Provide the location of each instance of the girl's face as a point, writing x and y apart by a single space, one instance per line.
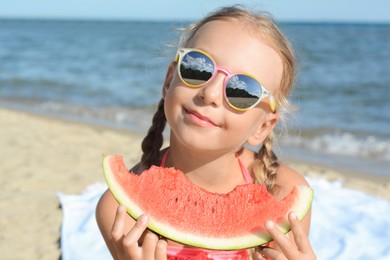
200 118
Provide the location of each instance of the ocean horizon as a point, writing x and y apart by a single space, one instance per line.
111 72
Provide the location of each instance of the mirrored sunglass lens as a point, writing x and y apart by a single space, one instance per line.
196 68
243 91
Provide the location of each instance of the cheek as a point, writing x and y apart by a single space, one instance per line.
247 122
169 101
170 91
179 93
174 95
176 98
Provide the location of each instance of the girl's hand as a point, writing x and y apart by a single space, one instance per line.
297 248
131 246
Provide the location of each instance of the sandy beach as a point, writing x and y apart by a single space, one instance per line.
41 156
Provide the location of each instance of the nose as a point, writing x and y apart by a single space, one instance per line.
212 92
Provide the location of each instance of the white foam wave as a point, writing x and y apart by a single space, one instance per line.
370 147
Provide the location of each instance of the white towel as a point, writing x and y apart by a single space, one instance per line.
346 224
80 236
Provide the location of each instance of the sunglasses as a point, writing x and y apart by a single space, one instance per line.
242 91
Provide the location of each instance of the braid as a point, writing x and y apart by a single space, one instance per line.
266 164
153 141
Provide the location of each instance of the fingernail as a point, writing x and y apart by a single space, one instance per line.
144 219
293 216
269 224
121 208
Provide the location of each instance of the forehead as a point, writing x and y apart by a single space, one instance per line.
240 48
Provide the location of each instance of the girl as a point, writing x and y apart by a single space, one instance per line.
226 88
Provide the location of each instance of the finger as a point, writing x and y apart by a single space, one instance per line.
297 231
288 248
117 231
119 224
300 237
130 241
149 245
269 253
161 249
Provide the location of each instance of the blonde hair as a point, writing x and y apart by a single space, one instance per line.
266 164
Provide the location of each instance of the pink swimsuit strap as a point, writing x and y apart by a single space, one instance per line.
245 173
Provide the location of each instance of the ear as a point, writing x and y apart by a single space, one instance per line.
168 78
263 129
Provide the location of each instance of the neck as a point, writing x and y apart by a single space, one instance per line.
214 171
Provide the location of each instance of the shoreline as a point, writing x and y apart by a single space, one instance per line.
378 186
355 152
42 155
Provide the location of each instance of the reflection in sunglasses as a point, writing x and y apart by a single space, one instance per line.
242 91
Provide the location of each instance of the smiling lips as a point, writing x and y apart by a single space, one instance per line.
199 119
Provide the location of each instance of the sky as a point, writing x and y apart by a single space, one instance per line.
282 10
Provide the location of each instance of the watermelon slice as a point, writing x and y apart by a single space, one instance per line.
186 213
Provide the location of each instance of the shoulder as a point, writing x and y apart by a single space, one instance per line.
105 211
286 179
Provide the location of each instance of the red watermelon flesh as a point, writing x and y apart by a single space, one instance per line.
189 214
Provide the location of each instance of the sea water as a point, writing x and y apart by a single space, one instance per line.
111 73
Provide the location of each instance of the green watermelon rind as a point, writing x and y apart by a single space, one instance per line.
216 243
